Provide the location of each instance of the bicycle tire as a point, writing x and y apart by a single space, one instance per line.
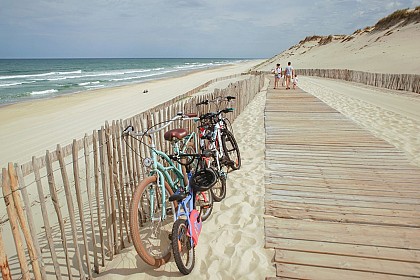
143 229
218 191
231 150
204 204
184 253
227 124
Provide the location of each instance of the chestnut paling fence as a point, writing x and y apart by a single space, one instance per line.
406 82
67 211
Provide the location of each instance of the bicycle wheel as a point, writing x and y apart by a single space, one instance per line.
204 204
218 191
184 253
231 150
149 232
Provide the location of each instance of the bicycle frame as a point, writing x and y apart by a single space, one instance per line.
163 172
215 145
186 208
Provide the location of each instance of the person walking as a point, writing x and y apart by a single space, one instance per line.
288 73
277 75
295 81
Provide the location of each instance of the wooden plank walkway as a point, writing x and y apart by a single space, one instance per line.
340 203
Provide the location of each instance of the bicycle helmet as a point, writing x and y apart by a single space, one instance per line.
203 179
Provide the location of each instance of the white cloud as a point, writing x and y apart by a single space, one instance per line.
147 28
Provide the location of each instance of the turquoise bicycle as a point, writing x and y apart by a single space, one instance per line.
151 214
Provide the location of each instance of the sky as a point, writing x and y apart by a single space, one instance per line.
177 28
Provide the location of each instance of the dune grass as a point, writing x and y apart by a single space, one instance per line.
399 17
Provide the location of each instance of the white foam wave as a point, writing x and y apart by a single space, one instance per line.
48 91
16 84
89 83
193 65
39 75
140 77
10 85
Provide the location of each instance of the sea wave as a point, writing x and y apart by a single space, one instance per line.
39 75
141 77
193 65
98 74
48 91
89 83
15 84
10 85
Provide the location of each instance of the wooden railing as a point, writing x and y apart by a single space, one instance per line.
74 212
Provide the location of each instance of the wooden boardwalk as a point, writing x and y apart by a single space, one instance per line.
340 203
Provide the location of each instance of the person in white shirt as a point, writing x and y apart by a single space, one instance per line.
288 73
277 75
295 81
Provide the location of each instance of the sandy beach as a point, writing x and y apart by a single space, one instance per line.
231 245
28 129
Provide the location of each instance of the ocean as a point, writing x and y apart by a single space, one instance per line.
29 79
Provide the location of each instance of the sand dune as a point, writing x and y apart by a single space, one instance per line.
379 49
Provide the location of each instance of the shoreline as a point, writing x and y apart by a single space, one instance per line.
30 128
86 91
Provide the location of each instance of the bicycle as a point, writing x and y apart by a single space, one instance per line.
230 146
220 141
151 214
188 225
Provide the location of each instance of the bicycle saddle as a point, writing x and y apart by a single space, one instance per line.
178 133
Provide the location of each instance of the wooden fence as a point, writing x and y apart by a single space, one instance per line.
406 82
76 219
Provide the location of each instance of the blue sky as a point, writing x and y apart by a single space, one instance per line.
177 28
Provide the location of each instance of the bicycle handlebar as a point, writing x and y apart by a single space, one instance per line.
129 130
212 115
205 102
178 157
215 100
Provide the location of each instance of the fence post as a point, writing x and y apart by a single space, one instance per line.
97 196
4 264
19 210
80 203
55 201
121 174
111 189
11 212
89 193
70 206
117 179
102 153
30 218
44 211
